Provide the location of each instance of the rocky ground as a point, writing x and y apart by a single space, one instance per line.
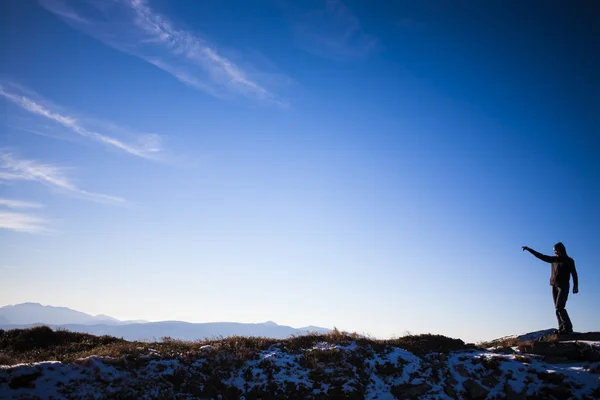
309 367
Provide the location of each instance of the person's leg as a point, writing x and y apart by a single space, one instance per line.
558 316
561 302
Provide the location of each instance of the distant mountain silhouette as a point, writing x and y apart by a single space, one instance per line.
35 313
183 330
32 314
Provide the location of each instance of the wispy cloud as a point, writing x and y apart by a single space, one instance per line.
9 176
334 32
149 143
10 203
21 222
61 8
132 26
14 168
40 132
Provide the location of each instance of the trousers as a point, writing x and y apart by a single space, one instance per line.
560 295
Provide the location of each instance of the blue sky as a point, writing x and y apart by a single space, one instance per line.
374 166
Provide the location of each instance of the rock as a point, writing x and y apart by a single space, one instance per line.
462 371
490 381
176 379
512 394
561 392
571 351
504 350
414 375
475 390
450 392
592 336
556 392
551 377
556 360
407 390
590 354
24 381
523 359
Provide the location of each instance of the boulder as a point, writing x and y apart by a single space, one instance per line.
407 390
490 381
475 390
504 350
512 394
24 381
462 371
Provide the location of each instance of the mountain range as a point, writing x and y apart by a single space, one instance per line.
32 314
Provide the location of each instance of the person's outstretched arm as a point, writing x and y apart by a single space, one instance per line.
541 256
575 278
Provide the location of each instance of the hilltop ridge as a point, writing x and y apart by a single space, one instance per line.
335 365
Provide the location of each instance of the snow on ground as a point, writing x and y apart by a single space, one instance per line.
535 335
325 369
524 373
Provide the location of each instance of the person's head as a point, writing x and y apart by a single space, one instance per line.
559 249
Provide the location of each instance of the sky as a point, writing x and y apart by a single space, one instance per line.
373 166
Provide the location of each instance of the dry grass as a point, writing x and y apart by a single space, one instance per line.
6 360
510 342
43 344
427 343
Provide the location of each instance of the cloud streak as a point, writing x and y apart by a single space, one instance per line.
335 33
133 27
150 143
20 222
18 204
14 168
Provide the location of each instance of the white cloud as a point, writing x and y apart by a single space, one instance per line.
133 27
9 176
21 222
18 204
149 143
54 176
46 133
334 32
60 7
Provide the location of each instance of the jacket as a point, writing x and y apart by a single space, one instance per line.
562 269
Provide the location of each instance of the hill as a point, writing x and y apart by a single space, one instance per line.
181 330
35 313
28 315
336 365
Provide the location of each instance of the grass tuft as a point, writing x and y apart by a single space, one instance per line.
44 344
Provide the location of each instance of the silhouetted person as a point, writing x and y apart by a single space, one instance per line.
563 267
